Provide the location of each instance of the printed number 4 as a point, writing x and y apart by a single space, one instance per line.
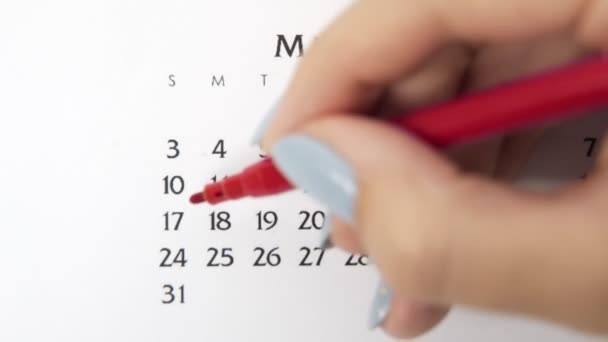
219 149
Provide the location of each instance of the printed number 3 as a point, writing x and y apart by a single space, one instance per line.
173 147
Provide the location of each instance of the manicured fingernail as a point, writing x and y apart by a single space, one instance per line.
262 127
312 165
380 306
324 239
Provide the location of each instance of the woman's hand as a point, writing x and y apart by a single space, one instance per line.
446 228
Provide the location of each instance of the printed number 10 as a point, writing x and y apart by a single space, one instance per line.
173 185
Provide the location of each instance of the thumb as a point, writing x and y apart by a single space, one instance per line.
447 237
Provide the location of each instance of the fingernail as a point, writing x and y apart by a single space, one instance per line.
380 306
324 239
312 165
262 127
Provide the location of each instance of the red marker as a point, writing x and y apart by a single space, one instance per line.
546 97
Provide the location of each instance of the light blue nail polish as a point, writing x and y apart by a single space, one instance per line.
324 239
380 306
262 127
312 165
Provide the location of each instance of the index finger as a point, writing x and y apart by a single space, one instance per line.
376 42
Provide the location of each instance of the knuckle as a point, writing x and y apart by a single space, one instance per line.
584 303
425 256
415 253
591 23
598 303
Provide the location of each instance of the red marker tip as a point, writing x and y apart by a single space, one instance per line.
199 197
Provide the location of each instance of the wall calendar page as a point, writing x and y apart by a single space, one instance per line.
114 112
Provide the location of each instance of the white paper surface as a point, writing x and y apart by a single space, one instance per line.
86 113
